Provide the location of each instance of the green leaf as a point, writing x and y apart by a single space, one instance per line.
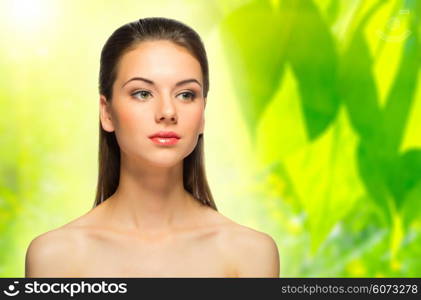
401 96
358 90
411 207
281 130
255 38
412 135
325 177
313 58
405 175
374 166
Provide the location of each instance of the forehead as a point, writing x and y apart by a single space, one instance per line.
160 61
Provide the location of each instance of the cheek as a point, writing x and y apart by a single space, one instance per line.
131 129
132 125
193 118
129 118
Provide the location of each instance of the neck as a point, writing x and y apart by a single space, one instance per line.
150 198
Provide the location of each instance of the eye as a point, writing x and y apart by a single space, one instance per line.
142 94
188 95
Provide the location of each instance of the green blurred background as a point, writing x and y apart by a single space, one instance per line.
317 106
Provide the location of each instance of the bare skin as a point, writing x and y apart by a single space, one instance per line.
218 247
151 226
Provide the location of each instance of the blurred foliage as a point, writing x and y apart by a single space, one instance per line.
324 151
350 157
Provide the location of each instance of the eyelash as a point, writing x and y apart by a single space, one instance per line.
192 94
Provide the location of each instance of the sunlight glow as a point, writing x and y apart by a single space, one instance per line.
27 15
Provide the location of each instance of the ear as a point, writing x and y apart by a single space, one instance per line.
202 125
105 114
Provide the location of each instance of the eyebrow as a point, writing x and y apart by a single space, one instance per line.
151 82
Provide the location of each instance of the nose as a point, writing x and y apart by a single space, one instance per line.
166 111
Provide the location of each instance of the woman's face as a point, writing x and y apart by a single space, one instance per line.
149 96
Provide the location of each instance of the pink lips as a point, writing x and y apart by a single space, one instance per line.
165 138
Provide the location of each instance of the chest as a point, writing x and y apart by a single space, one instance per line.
196 258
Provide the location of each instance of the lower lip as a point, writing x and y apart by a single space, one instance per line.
164 141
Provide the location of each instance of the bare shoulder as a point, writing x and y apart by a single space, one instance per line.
54 253
254 253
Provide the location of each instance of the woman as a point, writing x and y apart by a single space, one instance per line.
154 215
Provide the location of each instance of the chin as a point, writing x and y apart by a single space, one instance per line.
162 164
165 161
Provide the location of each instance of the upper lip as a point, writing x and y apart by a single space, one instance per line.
165 134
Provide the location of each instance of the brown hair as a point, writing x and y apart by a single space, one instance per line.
121 41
